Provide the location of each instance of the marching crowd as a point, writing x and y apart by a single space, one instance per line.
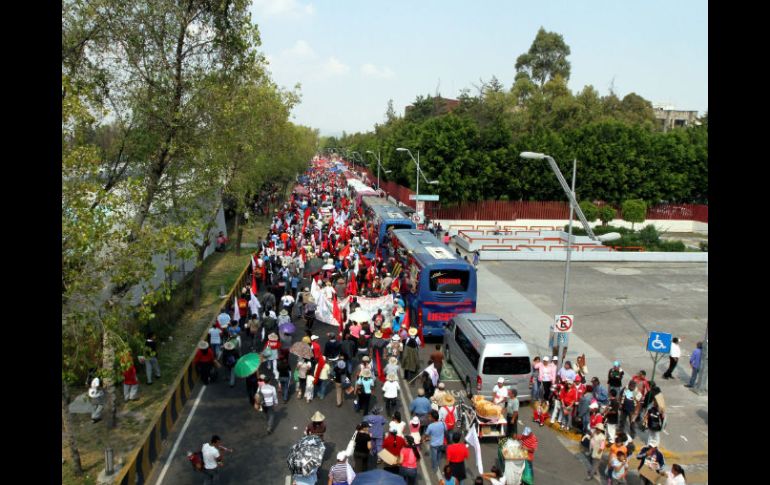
321 235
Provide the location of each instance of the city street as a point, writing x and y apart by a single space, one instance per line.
614 306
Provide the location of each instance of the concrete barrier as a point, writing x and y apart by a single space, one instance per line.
594 255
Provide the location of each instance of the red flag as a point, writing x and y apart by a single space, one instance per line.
254 284
344 252
353 287
405 322
337 314
380 374
318 368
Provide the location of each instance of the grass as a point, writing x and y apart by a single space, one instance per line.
219 270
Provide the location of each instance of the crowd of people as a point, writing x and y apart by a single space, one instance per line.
311 252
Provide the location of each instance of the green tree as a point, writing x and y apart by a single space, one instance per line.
589 210
546 58
606 214
634 211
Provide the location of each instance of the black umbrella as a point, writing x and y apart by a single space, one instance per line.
306 455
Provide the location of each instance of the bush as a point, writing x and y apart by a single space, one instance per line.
670 246
634 210
649 235
577 230
606 214
704 246
589 210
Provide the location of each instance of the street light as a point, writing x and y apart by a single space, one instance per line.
573 206
379 164
419 172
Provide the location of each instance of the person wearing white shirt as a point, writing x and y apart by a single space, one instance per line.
673 358
390 393
212 460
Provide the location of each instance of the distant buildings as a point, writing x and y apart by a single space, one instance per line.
670 118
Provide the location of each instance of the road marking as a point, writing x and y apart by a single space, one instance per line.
683 437
288 480
666 432
408 392
179 438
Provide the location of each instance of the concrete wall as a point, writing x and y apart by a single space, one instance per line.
663 225
609 256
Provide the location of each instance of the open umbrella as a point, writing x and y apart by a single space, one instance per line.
327 267
306 455
287 328
378 477
247 365
301 349
360 316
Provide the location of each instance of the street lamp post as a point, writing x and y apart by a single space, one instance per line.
560 349
379 164
419 172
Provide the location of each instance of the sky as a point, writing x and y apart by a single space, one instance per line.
351 56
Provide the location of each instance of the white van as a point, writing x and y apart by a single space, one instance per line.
482 348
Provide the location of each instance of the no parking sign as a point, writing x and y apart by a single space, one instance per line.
563 323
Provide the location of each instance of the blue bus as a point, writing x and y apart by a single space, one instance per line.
439 284
385 216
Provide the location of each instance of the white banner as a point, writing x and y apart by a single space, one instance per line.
325 308
473 439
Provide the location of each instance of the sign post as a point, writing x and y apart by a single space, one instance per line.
658 344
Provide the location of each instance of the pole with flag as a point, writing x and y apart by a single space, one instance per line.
337 313
236 312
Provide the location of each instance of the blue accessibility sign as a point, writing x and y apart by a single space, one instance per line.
659 342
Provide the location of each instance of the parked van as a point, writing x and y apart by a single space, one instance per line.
482 348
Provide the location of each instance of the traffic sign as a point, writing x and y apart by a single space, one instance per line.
416 218
424 197
659 342
563 323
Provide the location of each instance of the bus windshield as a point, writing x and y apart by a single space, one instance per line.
449 281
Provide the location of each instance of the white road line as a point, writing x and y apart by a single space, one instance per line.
288 480
665 432
423 468
179 438
683 437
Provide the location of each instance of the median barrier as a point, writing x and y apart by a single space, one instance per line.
530 247
497 247
141 459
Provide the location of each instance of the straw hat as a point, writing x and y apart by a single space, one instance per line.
378 334
599 426
273 337
447 400
366 373
392 377
393 360
284 312
395 338
203 345
306 339
412 331
385 325
366 358
317 417
229 345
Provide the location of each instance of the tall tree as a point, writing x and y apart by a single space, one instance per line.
546 58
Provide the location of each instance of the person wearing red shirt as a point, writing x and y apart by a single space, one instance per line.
130 382
393 443
316 347
456 454
204 361
567 397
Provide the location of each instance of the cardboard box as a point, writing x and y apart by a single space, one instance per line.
652 475
388 457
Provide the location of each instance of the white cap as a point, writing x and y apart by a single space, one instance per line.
341 456
546 358
314 337
500 380
415 420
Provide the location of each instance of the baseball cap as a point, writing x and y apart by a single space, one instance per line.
341 456
314 337
415 420
546 358
500 380
616 363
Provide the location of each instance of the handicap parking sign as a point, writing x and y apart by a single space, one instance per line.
659 342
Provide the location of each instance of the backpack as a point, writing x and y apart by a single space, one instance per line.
655 423
449 420
196 460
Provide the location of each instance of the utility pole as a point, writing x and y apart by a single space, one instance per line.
702 381
563 337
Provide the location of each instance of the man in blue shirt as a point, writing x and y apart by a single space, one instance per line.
420 405
600 392
435 431
695 364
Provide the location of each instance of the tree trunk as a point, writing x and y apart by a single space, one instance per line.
108 364
237 230
67 429
198 275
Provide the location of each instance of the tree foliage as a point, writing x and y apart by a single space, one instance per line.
634 211
546 58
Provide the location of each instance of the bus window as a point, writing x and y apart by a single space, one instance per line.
467 348
506 366
449 281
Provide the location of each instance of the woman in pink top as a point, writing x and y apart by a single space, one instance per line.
355 330
408 459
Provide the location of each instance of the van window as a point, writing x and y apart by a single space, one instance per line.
467 348
506 365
